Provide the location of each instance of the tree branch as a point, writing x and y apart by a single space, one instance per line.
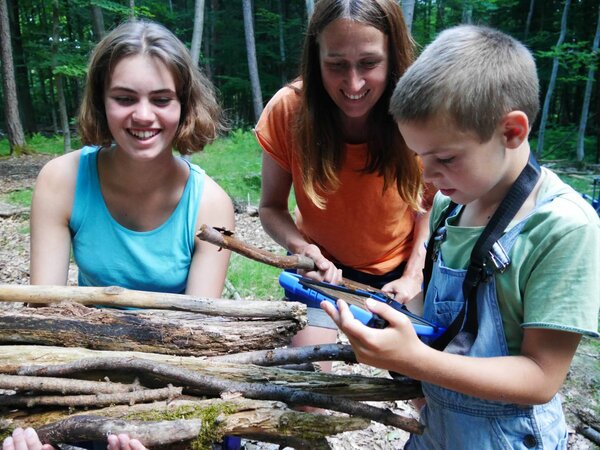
65 386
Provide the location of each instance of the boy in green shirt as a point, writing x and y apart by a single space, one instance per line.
465 108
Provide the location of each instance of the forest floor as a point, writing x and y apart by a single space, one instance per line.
580 391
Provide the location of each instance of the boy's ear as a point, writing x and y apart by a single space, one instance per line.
515 128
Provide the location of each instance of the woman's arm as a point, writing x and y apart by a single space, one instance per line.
410 284
49 223
533 377
278 223
208 270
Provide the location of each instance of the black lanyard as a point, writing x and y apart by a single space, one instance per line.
480 267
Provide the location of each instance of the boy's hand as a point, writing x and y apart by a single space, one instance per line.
395 347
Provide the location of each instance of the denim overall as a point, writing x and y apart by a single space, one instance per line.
455 421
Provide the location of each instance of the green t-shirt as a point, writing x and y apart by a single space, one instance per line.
554 277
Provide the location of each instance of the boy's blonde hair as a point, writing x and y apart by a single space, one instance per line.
472 75
200 121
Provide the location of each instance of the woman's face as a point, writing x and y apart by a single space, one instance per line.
354 67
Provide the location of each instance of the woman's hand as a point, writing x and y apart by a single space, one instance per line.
404 289
326 270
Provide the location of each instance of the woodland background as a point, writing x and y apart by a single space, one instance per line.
249 48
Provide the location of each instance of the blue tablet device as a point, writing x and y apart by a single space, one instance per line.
312 293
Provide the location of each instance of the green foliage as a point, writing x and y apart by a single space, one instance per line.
235 163
560 142
576 57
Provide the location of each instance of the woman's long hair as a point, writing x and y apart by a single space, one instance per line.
320 143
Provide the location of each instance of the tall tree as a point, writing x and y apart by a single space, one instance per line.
310 7
257 101
528 21
16 137
408 9
552 82
197 34
131 9
21 71
97 22
281 7
587 96
60 91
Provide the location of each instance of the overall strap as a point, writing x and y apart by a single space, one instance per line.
481 266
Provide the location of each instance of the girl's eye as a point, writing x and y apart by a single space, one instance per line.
336 65
123 100
162 101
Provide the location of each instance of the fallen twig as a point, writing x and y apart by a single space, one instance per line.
65 386
140 396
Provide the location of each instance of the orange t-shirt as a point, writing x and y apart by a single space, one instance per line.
361 226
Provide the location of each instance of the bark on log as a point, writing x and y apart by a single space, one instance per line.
16 358
215 387
156 331
263 420
117 296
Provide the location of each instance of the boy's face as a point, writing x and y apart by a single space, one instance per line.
457 163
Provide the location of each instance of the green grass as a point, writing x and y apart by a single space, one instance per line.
254 279
22 197
235 163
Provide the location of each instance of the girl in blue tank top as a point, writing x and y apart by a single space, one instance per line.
125 203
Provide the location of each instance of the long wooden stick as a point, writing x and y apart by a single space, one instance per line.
117 296
222 238
64 385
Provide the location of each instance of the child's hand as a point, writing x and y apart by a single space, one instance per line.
395 347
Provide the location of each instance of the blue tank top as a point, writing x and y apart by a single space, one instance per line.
108 254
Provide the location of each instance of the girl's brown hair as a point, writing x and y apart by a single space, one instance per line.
320 144
201 120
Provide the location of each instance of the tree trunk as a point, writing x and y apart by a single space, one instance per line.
16 137
408 10
97 22
467 12
197 34
131 9
60 94
310 7
282 59
257 101
587 96
528 21
552 82
22 73
15 358
73 325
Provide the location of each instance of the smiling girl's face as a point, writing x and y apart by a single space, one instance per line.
142 107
